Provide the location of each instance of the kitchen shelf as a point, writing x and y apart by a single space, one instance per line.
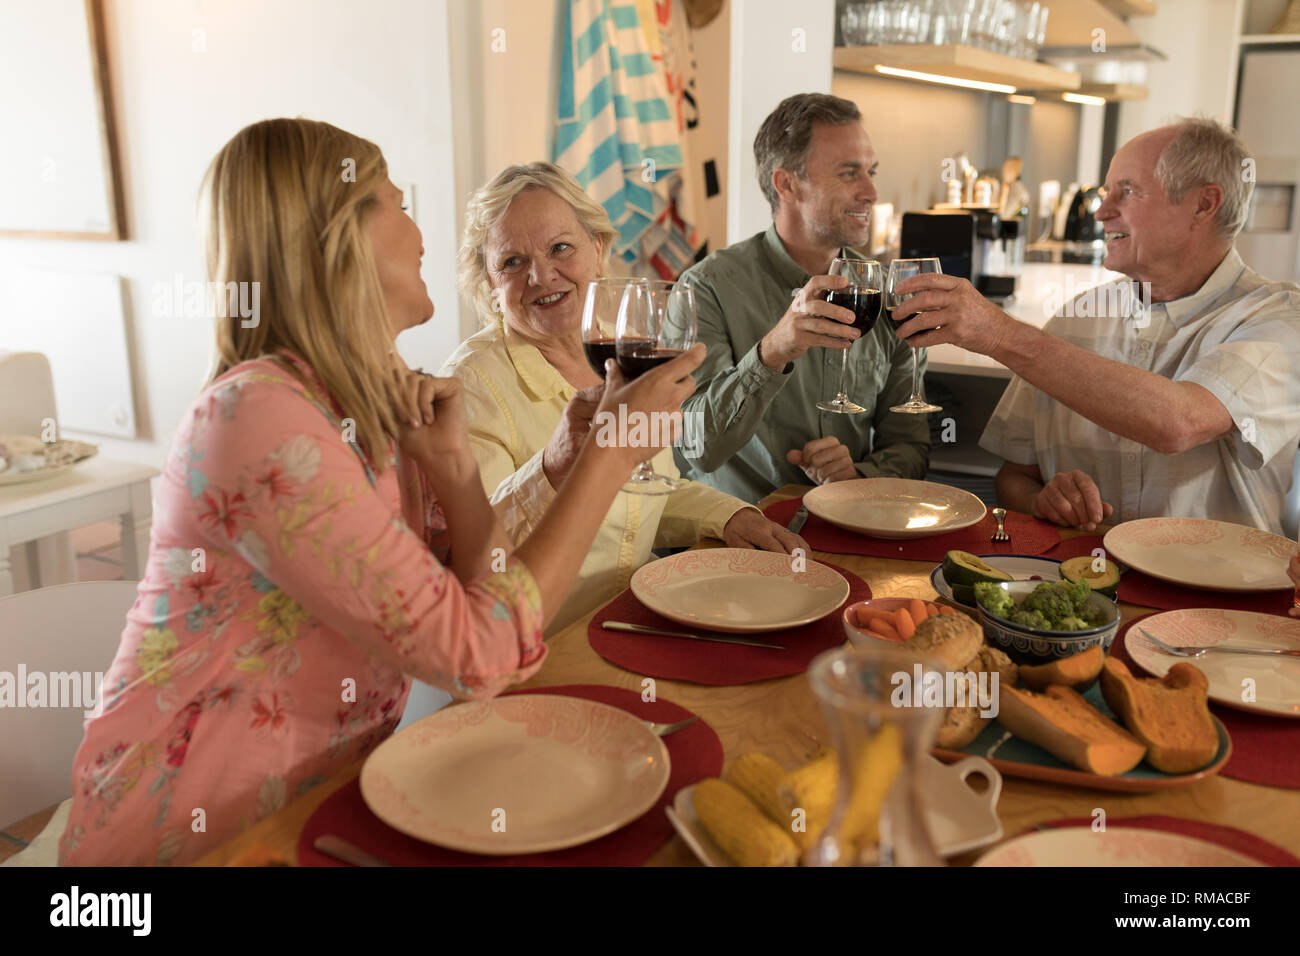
957 61
1072 22
1131 8
1114 92
1269 39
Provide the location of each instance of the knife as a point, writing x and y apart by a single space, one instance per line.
341 849
796 523
719 638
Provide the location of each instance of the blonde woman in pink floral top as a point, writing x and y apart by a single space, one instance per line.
320 531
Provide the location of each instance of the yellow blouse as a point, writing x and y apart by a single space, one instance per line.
514 399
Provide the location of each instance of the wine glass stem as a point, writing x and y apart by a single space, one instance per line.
916 374
841 396
644 472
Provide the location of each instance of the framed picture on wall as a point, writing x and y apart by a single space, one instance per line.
59 162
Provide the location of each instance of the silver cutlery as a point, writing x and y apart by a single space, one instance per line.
1001 533
718 638
1191 651
663 730
796 523
341 849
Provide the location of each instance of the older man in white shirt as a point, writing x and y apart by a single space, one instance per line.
1177 393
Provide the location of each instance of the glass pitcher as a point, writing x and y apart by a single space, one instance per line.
872 701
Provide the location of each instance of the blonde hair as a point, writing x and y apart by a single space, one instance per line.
489 205
283 205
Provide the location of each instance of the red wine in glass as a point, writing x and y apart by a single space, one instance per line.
597 352
639 357
864 303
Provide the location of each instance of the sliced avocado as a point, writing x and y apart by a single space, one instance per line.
963 568
1081 569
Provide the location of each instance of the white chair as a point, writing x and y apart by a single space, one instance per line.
26 401
70 628
423 700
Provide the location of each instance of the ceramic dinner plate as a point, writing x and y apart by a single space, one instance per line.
738 590
1274 682
1200 553
1114 846
1022 567
519 774
959 819
895 508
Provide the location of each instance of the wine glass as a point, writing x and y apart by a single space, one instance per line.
899 270
600 320
656 323
862 297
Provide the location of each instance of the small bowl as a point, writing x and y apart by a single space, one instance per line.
1032 645
863 638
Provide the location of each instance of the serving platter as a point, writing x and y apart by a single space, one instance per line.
1202 553
895 508
1273 681
1019 758
525 773
959 819
739 590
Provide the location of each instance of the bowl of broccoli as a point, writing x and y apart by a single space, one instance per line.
1037 622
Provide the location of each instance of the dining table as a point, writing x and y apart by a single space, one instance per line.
782 718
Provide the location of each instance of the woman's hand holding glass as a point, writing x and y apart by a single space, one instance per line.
655 394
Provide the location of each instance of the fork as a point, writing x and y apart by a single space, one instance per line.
663 730
1191 651
1001 533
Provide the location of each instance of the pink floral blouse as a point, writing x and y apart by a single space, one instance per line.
288 591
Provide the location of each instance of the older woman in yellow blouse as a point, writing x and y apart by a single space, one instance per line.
532 242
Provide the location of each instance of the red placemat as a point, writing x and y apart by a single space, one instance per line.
1138 588
1029 535
695 753
704 662
1265 750
1229 837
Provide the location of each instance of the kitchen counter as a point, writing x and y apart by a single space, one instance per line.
1044 287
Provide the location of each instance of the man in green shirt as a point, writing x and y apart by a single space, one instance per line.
775 344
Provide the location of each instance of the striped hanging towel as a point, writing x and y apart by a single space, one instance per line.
615 130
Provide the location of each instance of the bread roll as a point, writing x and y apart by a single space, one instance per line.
951 639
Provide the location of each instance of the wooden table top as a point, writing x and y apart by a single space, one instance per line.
779 717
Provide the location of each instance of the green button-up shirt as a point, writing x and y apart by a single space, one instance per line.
744 417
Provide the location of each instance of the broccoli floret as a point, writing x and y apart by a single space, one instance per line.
1071 624
994 599
1079 591
1028 618
1050 601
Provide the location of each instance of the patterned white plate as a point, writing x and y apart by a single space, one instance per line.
1114 846
1273 681
1200 553
895 508
738 590
520 774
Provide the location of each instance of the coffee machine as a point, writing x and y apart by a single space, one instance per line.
976 244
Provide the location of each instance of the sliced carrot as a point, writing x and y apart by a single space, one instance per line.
945 609
919 610
906 626
882 628
875 614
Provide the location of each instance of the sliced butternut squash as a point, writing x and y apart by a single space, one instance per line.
1077 671
1171 715
1070 729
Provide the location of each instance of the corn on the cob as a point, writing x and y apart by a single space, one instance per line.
879 762
812 788
739 828
759 777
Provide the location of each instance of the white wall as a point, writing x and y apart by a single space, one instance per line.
778 48
1200 73
378 69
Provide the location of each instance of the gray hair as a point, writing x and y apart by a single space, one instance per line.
1206 151
783 139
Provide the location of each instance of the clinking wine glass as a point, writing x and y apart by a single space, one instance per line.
656 323
899 270
862 296
600 320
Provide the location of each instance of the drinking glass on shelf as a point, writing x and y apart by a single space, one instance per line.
656 323
862 296
899 270
600 320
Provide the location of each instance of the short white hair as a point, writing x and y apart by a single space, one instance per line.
1206 151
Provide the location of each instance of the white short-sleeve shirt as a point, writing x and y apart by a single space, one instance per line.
1237 336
